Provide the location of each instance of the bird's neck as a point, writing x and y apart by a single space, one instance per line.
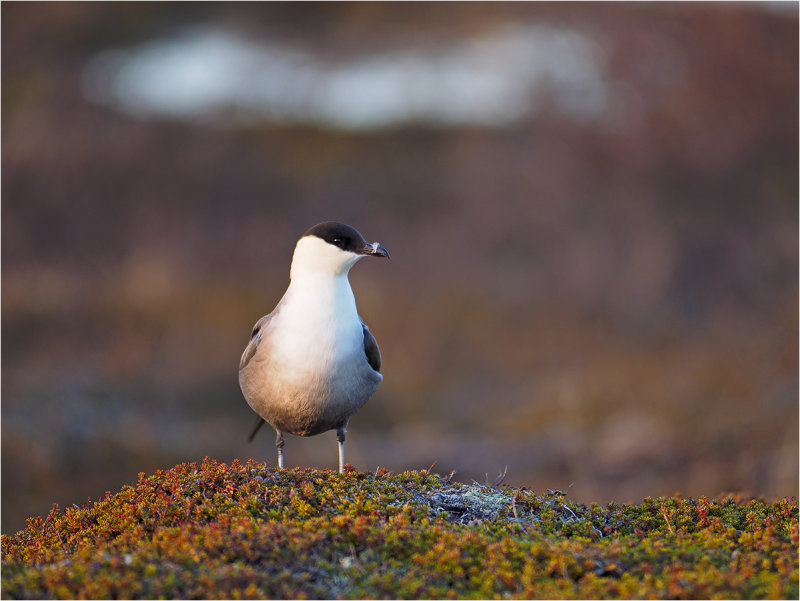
322 295
317 283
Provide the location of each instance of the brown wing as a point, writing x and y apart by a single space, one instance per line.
255 338
371 349
249 353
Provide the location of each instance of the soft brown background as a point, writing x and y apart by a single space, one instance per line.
605 305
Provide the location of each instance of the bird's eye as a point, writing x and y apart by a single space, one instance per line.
339 242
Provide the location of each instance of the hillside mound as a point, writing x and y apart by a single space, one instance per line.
213 530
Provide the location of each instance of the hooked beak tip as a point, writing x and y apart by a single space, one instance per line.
376 250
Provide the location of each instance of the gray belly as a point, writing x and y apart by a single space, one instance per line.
308 404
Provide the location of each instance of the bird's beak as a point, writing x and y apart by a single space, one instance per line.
374 250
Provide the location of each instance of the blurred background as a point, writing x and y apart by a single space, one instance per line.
592 212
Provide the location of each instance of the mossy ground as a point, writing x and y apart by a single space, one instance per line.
213 530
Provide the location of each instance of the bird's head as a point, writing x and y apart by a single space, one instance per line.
332 247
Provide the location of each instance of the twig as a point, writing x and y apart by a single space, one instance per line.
666 519
570 510
497 481
514 511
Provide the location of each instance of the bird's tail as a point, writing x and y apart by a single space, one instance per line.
260 423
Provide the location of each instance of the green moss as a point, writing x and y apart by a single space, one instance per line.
213 530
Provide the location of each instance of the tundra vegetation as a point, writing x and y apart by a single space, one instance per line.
244 530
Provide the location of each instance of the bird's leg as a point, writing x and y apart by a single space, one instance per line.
340 437
279 444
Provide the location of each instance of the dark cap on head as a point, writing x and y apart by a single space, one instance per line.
345 237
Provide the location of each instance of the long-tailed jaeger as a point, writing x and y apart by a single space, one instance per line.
312 362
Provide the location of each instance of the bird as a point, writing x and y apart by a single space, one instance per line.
312 362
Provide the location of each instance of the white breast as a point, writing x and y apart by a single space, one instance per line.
317 329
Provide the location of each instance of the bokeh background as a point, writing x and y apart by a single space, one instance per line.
592 211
